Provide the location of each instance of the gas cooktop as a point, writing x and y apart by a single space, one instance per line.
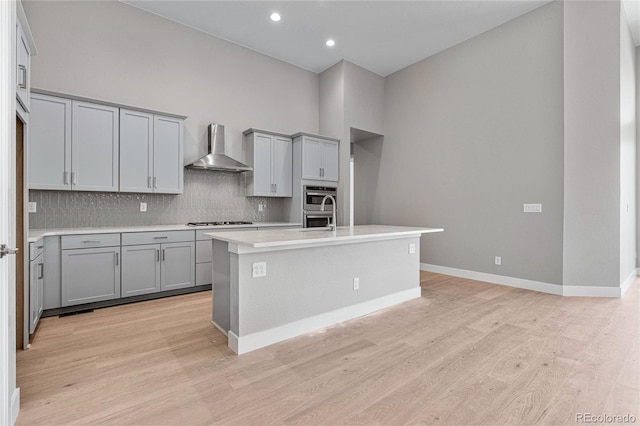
220 223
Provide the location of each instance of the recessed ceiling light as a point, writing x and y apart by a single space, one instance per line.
330 43
275 16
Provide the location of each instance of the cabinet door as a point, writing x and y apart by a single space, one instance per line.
94 153
177 266
49 143
330 165
33 296
136 151
23 62
311 158
168 167
140 269
282 157
90 275
40 285
262 165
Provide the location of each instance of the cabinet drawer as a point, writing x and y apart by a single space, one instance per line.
136 238
90 241
35 249
204 251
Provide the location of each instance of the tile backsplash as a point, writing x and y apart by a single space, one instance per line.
208 196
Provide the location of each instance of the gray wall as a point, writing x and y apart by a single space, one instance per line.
350 97
471 134
592 143
98 50
207 197
637 156
628 213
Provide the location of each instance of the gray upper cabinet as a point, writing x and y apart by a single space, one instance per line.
271 157
90 275
151 153
72 145
23 64
94 147
319 158
50 143
87 146
136 151
167 154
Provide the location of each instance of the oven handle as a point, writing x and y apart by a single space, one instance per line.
323 216
321 194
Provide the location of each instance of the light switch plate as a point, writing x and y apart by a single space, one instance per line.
33 206
412 248
532 208
260 207
259 269
143 207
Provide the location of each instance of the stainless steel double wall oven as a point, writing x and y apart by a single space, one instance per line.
313 217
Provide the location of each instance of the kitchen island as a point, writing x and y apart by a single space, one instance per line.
272 285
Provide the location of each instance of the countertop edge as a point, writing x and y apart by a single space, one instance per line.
37 234
328 240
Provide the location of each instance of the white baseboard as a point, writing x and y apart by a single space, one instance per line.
248 343
559 290
494 279
630 280
15 405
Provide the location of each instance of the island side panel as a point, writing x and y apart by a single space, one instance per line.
221 286
308 282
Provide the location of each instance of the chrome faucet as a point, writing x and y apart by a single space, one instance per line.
332 225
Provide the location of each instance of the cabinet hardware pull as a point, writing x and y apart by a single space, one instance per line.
160 238
275 187
163 255
41 271
117 258
148 181
155 182
65 177
91 241
39 247
74 178
23 71
157 255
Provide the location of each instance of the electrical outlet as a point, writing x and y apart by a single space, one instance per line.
356 283
412 248
498 260
143 207
260 207
33 207
259 269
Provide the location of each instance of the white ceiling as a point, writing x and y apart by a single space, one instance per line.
381 36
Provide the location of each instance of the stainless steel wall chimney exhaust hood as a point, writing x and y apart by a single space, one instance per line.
217 158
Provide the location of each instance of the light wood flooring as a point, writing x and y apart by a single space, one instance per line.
465 353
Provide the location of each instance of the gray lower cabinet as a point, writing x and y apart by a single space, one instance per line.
140 269
157 261
36 291
90 275
177 268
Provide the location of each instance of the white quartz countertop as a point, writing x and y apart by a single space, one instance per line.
273 238
37 234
